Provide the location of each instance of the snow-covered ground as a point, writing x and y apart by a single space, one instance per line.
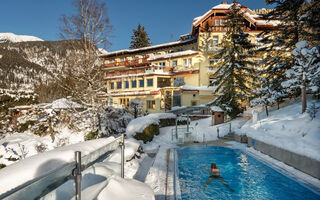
287 128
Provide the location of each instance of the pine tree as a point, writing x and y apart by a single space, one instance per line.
306 71
234 66
310 21
278 43
139 38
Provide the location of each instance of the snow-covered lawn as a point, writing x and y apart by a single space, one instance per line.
287 128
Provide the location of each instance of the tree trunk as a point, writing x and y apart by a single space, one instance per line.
303 99
267 110
278 105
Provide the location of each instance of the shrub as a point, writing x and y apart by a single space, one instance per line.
148 133
12 159
41 130
171 122
41 147
23 127
2 165
91 135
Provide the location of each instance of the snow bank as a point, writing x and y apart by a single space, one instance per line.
131 147
287 128
65 104
139 124
124 189
44 163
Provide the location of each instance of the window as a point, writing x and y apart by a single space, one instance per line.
133 58
149 82
111 61
216 22
119 85
187 62
179 81
121 59
222 21
126 84
193 103
141 83
134 84
211 79
213 61
215 40
174 63
151 104
111 86
111 102
162 64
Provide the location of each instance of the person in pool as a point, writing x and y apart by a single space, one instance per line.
214 173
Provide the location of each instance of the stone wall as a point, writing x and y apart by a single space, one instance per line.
300 162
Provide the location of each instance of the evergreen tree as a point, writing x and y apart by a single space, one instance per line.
310 22
278 43
234 66
139 38
306 71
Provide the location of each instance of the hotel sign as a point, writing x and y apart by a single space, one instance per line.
261 11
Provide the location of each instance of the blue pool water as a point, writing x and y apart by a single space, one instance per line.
248 177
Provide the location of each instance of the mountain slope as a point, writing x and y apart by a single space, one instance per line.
23 64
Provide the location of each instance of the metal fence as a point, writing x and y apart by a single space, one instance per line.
43 185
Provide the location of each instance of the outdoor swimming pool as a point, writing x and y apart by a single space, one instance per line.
248 177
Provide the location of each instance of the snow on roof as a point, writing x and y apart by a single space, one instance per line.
189 87
172 55
250 15
220 6
11 37
147 48
216 109
65 104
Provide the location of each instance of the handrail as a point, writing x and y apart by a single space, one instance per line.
41 186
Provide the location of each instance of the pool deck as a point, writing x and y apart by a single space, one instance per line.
220 142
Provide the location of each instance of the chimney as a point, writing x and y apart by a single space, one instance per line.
224 2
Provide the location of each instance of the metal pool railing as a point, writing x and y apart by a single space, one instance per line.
41 186
181 133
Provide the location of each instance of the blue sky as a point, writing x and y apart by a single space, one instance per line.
161 18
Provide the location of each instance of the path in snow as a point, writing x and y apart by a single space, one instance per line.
145 166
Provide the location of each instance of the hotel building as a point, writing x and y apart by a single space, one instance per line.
176 73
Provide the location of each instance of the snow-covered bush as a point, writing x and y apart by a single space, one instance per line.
114 121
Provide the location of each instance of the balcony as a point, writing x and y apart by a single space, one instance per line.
182 68
129 63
